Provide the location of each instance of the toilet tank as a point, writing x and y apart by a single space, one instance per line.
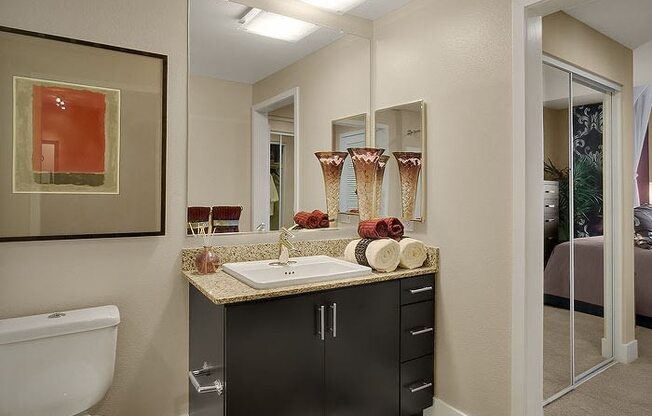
57 364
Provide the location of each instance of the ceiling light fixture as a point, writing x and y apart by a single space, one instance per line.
249 16
337 6
275 26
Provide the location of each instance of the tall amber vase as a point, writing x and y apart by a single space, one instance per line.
409 168
331 166
380 175
365 164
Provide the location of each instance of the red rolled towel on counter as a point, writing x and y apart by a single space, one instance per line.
323 218
306 220
395 228
373 229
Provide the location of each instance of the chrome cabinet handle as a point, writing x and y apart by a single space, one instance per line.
550 192
550 220
216 387
333 327
321 331
549 205
422 386
421 290
421 331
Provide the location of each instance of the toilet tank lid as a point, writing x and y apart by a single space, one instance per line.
57 323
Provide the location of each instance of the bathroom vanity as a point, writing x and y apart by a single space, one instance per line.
360 347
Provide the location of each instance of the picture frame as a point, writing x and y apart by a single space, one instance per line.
82 139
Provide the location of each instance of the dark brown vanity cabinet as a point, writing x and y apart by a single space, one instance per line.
338 352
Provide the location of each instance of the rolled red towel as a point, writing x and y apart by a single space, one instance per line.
306 220
373 229
323 218
395 228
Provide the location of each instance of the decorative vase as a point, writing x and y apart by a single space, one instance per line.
365 164
331 166
206 261
409 168
380 175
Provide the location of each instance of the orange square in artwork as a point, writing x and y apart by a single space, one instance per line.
69 135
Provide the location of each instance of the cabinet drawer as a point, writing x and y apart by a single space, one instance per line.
417 289
550 210
550 228
417 330
417 385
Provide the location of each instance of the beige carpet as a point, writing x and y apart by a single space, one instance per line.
589 330
622 390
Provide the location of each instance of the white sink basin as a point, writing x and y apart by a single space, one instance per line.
265 274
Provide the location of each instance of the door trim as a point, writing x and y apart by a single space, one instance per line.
260 153
527 230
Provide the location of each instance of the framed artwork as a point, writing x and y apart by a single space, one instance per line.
82 139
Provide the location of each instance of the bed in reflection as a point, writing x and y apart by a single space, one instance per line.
589 286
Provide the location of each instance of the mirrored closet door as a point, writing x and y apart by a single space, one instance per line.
578 279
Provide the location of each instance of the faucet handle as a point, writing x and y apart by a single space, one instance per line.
284 239
287 232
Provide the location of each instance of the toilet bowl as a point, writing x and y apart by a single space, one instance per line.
57 364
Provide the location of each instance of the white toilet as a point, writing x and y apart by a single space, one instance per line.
58 364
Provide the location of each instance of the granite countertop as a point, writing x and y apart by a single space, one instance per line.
221 288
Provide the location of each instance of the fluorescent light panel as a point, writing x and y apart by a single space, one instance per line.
337 6
276 26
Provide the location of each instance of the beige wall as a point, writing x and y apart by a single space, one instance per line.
219 163
643 76
139 275
456 55
575 42
643 64
555 136
333 83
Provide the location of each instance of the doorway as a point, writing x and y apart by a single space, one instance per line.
528 208
578 234
275 143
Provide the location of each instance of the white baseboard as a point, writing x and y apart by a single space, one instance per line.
627 353
441 408
606 349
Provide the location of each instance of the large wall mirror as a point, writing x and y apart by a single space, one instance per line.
265 93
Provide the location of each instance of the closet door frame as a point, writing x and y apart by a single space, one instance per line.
610 150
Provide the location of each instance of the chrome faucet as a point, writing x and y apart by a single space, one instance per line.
285 246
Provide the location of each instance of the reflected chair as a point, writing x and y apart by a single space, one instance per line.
198 220
226 219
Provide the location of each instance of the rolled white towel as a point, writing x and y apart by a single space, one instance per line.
381 255
413 253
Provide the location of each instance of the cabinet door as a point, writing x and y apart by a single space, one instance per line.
362 351
274 358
